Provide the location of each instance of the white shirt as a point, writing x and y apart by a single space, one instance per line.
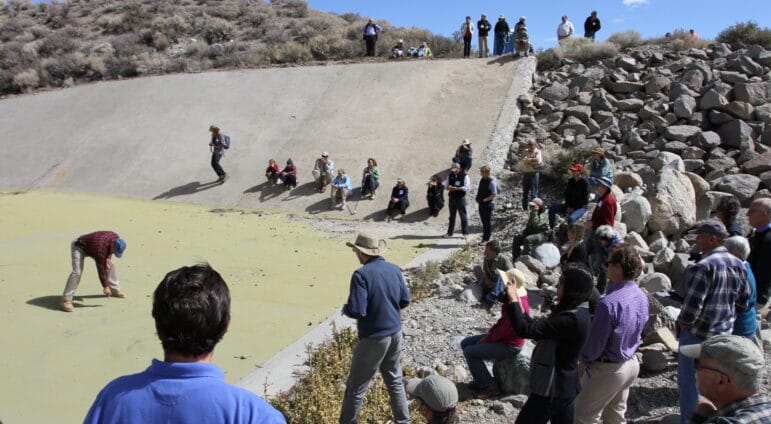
564 29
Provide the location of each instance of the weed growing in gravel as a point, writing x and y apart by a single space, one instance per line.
419 282
458 261
318 395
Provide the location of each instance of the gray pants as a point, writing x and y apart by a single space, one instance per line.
483 49
77 270
369 356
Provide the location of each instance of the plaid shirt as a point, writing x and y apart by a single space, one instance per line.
755 409
717 286
98 245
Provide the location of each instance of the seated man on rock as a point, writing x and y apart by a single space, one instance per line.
487 273
535 230
576 197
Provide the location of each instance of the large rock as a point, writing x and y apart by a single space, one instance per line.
581 112
758 164
673 203
548 254
677 267
756 94
513 374
555 91
661 261
600 101
700 185
741 110
681 132
656 84
636 211
623 87
736 134
743 186
693 79
684 107
712 100
654 361
630 105
708 203
655 282
627 180
667 160
707 140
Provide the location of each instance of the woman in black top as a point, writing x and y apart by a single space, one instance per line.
568 324
576 250
435 195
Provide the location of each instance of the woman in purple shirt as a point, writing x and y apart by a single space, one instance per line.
614 336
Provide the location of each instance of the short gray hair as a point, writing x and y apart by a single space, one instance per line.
738 246
745 382
605 232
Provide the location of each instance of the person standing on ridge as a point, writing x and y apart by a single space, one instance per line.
483 26
501 35
591 25
565 29
466 31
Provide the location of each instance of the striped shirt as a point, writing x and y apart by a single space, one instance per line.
755 409
716 288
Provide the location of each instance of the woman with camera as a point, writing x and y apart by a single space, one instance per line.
554 365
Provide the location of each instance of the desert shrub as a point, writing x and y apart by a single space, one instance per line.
579 49
256 55
350 17
95 67
461 260
121 67
39 32
444 47
624 39
151 63
293 52
291 8
217 31
419 281
254 15
57 69
6 82
557 167
275 35
195 48
11 28
56 43
126 45
26 80
228 10
55 15
746 34
135 17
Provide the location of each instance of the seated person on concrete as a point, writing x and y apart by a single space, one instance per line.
191 309
730 372
463 155
341 187
435 195
487 273
500 342
576 198
400 200
535 231
370 179
288 175
522 41
438 398
323 171
397 51
272 171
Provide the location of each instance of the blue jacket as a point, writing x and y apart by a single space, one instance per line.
377 294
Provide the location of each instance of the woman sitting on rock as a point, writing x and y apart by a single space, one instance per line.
566 330
576 251
501 342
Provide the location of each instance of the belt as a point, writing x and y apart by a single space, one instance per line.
608 361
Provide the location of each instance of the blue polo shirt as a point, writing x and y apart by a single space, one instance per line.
179 392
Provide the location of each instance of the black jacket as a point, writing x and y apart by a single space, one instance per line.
577 193
760 252
590 27
483 26
501 28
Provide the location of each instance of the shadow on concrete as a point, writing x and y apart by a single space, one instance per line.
502 59
52 302
306 189
188 188
267 190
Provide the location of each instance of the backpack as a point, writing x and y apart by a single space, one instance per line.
225 141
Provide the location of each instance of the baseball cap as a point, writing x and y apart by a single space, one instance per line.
324 154
466 142
712 226
605 181
119 246
577 168
737 352
455 165
536 202
435 391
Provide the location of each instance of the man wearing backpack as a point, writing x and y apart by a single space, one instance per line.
217 147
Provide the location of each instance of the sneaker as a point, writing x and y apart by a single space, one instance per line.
66 305
388 218
119 294
342 206
448 235
224 178
489 392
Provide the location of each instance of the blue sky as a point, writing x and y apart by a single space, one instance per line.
652 18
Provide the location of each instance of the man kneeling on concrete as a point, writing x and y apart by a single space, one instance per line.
729 373
376 296
191 309
99 245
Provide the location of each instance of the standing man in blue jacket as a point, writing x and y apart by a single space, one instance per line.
370 31
377 294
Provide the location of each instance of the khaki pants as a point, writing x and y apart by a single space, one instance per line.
604 392
77 270
483 49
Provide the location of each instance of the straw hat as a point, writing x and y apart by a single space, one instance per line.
368 244
514 276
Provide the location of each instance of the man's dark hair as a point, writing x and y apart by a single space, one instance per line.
191 308
577 287
628 259
494 245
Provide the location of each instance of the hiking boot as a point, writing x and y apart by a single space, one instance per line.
342 206
119 294
489 392
66 305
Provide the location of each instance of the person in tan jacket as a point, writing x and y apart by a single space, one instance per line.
531 161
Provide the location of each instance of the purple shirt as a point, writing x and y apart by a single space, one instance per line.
617 324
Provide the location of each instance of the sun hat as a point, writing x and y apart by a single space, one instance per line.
737 352
400 180
119 246
712 226
324 154
368 244
514 276
213 127
439 393
466 142
599 150
605 181
577 168
522 18
501 17
536 202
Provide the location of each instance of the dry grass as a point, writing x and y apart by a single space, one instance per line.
79 41
746 34
680 40
625 39
579 49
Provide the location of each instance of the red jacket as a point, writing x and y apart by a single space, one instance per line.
503 332
98 245
605 211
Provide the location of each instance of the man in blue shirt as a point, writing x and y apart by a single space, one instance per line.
341 185
377 294
191 308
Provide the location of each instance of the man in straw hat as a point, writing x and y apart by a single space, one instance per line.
729 372
377 294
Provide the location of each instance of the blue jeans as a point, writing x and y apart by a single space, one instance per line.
495 293
486 216
476 353
686 377
530 188
500 42
556 208
215 163
368 185
458 205
369 356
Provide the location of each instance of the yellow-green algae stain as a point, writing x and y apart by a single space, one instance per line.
284 278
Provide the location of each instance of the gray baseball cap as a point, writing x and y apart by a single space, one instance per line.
435 391
712 226
738 352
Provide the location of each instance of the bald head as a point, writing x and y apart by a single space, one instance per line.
759 213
